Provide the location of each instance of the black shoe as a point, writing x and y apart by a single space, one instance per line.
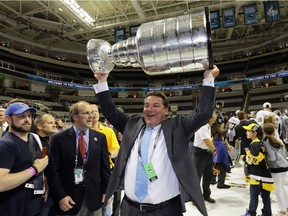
223 186
213 182
210 200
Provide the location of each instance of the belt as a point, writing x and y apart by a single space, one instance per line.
200 149
146 207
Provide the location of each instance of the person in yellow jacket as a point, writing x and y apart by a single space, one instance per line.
112 142
113 147
258 174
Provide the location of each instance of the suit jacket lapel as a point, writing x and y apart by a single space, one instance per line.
129 141
133 136
92 138
167 131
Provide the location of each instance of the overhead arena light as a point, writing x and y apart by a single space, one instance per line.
79 11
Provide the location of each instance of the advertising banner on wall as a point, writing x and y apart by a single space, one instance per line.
214 19
229 19
272 11
250 14
133 30
119 34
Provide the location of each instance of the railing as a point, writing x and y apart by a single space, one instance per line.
7 65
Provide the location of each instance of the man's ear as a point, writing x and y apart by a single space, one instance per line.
8 119
74 117
166 112
39 126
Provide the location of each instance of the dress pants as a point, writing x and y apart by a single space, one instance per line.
204 167
85 212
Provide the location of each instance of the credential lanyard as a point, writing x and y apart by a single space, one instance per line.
154 146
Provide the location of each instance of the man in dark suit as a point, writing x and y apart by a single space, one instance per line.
171 177
80 165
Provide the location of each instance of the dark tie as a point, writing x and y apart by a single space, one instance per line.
141 184
82 144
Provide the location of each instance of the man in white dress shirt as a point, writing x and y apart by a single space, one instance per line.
170 171
203 151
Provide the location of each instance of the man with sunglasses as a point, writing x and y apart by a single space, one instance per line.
21 165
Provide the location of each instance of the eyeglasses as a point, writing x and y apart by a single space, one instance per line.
86 113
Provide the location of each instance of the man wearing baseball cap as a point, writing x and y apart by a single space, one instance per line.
21 165
266 111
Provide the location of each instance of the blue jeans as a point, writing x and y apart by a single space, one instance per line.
47 208
255 191
107 211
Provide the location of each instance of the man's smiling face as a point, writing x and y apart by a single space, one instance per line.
154 110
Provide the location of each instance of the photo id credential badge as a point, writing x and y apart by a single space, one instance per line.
150 172
78 175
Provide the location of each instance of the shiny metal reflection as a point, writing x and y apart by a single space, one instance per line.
172 45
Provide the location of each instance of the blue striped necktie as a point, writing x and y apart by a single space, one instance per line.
141 185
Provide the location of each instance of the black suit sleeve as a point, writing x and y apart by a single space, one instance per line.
105 165
201 115
116 117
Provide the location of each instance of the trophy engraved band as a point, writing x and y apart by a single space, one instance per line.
173 45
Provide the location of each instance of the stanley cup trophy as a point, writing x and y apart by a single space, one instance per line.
173 45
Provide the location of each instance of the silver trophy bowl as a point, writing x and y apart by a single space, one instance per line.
173 45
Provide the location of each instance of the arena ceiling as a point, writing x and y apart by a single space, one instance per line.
46 24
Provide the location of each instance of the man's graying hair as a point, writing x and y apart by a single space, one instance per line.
74 109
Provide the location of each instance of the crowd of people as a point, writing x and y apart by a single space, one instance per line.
259 140
50 170
163 161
